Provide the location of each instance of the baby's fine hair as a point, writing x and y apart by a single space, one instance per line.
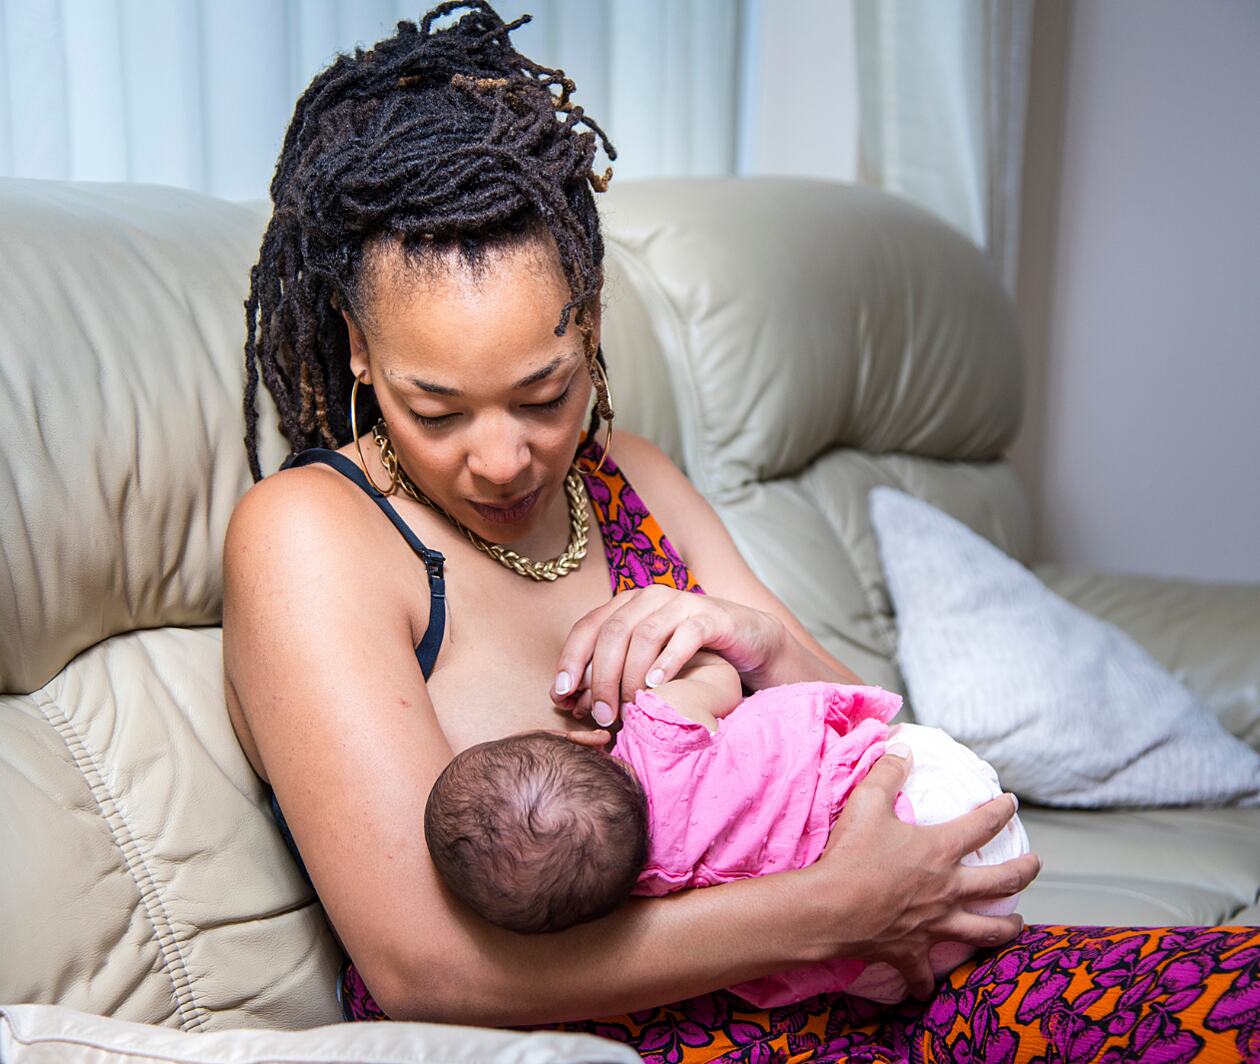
536 833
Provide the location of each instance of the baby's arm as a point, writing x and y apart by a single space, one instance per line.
706 689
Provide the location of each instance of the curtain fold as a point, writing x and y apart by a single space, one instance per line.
943 90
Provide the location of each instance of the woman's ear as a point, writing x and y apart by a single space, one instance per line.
358 349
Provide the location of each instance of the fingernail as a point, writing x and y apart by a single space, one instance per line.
656 677
586 676
564 683
1015 799
603 714
898 750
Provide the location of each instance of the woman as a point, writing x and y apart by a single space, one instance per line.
434 261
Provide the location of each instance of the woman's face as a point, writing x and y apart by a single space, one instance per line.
485 404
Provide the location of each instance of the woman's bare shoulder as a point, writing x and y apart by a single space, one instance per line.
291 504
305 549
313 514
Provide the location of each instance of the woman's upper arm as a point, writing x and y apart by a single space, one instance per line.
317 646
703 540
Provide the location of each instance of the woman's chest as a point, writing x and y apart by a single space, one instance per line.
504 634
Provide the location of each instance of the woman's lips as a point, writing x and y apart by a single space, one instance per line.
507 515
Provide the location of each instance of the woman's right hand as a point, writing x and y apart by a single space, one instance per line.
907 885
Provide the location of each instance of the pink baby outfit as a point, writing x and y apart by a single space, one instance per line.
760 794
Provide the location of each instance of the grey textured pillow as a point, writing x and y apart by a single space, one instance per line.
1068 708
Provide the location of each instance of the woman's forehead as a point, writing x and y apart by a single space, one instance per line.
457 321
390 274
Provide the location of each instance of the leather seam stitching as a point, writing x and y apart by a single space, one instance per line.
192 1016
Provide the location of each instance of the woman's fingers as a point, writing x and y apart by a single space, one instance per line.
608 664
917 893
689 636
578 652
620 640
575 655
983 932
644 637
984 882
650 636
972 830
916 970
879 789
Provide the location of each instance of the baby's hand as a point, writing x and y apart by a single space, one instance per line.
597 737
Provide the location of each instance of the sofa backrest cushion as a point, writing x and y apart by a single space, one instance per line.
821 339
121 320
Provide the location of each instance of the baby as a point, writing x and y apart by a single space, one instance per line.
537 833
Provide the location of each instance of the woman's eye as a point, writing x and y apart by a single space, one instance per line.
444 420
552 404
434 422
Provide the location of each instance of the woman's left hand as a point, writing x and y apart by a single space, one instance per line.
642 638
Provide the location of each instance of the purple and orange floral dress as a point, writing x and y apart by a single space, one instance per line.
1055 993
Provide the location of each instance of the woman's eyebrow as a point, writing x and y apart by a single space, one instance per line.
546 371
524 382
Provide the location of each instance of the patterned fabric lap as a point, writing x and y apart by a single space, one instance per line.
1056 993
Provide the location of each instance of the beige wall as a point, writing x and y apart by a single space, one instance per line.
1139 287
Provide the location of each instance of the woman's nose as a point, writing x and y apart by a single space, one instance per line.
500 455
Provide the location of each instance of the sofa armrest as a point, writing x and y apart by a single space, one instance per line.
1207 635
52 1034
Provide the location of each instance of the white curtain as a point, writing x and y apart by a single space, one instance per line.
198 92
943 87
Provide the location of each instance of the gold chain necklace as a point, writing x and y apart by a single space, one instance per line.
579 523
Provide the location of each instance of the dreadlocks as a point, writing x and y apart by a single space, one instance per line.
438 140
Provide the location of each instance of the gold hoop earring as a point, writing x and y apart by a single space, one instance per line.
354 428
603 403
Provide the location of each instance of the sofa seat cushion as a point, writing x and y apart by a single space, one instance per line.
1144 867
133 818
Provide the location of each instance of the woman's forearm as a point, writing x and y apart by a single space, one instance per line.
649 952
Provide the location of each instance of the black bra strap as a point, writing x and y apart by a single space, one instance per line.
434 561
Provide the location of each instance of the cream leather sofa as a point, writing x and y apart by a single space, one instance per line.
791 343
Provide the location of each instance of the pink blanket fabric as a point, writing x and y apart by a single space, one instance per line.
758 795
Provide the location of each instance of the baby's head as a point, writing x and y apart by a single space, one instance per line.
537 833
